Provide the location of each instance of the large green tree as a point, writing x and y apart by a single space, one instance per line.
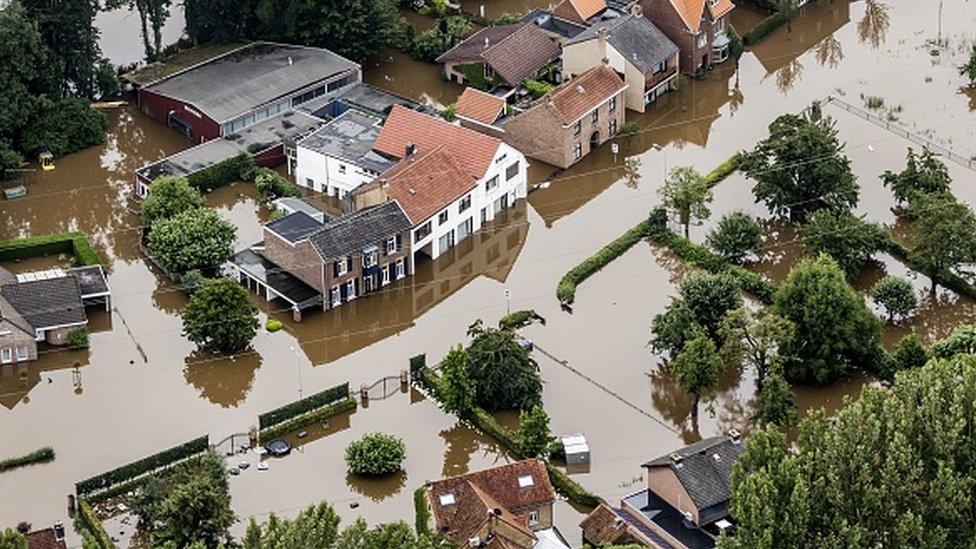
375 454
193 239
710 297
945 233
505 376
847 238
891 469
168 196
316 527
672 329
801 168
834 329
220 317
755 338
736 235
687 194
697 368
923 173
68 30
775 403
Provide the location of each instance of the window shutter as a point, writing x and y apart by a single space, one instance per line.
335 269
399 242
349 263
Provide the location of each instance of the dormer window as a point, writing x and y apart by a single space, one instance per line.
446 499
526 481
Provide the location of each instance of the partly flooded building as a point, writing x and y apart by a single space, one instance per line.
698 27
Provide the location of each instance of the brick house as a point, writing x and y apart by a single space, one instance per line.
571 120
698 27
633 47
506 506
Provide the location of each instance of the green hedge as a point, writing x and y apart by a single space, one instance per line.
142 466
947 279
723 170
421 513
319 414
94 526
303 406
223 173
764 28
570 488
517 319
37 456
73 243
566 289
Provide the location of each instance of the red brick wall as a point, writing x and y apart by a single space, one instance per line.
664 16
158 107
300 260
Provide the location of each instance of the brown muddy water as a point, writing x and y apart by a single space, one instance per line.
601 378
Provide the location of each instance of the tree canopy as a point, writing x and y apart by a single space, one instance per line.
535 438
459 394
945 233
697 368
168 196
709 297
801 168
892 469
193 239
686 193
923 173
755 338
505 376
896 295
220 316
736 235
847 238
375 454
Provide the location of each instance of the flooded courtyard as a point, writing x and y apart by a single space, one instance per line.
144 387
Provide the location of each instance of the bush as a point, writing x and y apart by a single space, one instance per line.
566 289
168 196
38 456
723 170
896 295
517 319
536 88
303 406
421 512
142 466
273 325
430 44
195 239
735 236
78 339
910 353
375 454
272 185
192 281
74 243
237 168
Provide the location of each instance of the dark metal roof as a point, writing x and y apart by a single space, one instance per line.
667 518
636 38
47 303
546 21
704 469
295 226
237 82
281 281
360 230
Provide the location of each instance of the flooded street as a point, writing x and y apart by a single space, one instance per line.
601 377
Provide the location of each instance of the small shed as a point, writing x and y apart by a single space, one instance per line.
576 448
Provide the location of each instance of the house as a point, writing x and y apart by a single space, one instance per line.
633 47
449 180
509 506
225 94
480 111
338 157
559 30
48 538
571 120
698 27
501 55
46 306
685 503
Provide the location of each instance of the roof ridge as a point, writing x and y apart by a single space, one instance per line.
521 27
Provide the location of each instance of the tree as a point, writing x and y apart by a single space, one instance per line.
353 28
687 193
775 403
834 329
152 15
194 505
9 160
697 368
194 239
892 469
962 341
672 329
923 173
945 233
755 338
968 69
316 527
910 353
896 295
505 375
382 536
448 33
12 539
736 235
710 297
71 37
801 168
375 454
847 238
220 317
273 185
168 196
459 393
534 435
62 127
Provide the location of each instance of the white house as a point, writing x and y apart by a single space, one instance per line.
339 156
450 180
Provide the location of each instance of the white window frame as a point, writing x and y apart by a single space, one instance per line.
343 266
533 518
351 289
465 204
6 355
443 217
385 276
391 245
22 355
399 269
578 151
336 296
491 184
613 103
370 259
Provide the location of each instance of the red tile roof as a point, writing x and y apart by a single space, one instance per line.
579 10
425 183
471 150
515 52
604 527
479 106
691 11
584 93
44 539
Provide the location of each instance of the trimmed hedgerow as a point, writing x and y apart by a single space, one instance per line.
570 488
37 456
73 243
142 466
765 27
945 279
346 405
303 406
223 173
517 319
89 520
421 513
723 170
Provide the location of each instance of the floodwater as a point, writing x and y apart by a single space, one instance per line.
594 358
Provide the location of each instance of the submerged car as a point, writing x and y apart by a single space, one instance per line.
278 447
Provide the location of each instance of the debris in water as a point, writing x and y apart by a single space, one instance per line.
262 466
303 434
354 505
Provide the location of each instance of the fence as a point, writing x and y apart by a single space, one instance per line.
145 465
896 129
303 406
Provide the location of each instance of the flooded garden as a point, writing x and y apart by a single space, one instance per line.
141 386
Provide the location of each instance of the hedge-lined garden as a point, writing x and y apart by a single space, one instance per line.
145 465
37 456
93 527
73 243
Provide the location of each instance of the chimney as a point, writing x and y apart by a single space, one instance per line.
735 436
602 36
487 43
410 149
637 10
59 531
676 458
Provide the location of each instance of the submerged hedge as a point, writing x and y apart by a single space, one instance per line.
764 28
946 279
37 456
303 406
142 466
325 412
74 243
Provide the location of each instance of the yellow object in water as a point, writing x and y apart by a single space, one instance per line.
47 161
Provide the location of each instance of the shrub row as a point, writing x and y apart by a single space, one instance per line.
764 28
88 519
73 243
142 466
723 170
946 279
517 319
37 456
566 289
223 173
421 512
319 414
303 406
570 488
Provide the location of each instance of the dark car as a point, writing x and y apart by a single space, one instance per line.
278 447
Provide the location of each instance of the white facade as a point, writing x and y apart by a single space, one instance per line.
328 174
504 182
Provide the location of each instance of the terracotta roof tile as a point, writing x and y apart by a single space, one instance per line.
425 183
479 106
515 52
585 92
691 11
579 10
604 526
721 8
473 151
44 539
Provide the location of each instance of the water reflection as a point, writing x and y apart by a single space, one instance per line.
788 75
377 488
18 380
223 381
872 29
816 22
461 444
829 52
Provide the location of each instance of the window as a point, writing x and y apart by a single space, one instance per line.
613 104
465 204
465 228
369 258
6 355
447 499
442 218
351 289
391 245
491 184
577 151
613 126
533 518
446 242
368 283
336 297
501 158
385 276
22 352
341 267
702 39
577 128
399 269
720 26
512 171
526 481
309 182
422 233
595 116
661 67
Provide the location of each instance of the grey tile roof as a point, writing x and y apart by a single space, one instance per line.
357 231
295 226
665 517
47 303
705 469
235 83
546 21
350 137
636 38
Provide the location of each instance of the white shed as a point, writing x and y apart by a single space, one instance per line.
576 448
